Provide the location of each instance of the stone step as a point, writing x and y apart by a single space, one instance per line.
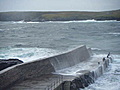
46 82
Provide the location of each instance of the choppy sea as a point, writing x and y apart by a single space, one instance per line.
30 41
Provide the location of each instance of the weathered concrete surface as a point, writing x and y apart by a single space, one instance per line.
86 77
83 78
45 82
16 73
38 74
70 58
43 66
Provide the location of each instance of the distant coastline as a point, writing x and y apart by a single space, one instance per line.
59 16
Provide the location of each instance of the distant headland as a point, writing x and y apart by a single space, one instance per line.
59 16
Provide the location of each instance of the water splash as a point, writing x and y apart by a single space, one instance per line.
80 21
26 54
109 80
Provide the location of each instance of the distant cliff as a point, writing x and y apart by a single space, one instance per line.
59 16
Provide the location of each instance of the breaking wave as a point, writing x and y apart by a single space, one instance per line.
74 21
114 33
95 48
78 21
26 54
110 80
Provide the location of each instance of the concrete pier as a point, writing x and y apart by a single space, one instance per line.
42 74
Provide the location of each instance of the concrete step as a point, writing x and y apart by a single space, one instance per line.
45 82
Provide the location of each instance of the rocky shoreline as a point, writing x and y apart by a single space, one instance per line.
5 63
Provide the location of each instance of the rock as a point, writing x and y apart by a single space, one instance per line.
4 63
82 81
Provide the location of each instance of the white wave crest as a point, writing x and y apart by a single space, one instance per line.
80 21
95 48
27 54
22 21
74 21
32 22
114 33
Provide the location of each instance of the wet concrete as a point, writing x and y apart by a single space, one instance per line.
50 73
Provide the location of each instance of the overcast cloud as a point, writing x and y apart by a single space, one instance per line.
59 5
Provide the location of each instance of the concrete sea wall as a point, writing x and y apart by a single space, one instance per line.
42 66
46 66
24 71
70 58
86 77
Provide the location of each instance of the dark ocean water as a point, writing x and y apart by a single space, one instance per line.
33 40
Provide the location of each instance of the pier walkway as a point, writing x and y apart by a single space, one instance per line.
70 70
52 81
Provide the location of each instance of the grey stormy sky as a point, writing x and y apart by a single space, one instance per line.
59 5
